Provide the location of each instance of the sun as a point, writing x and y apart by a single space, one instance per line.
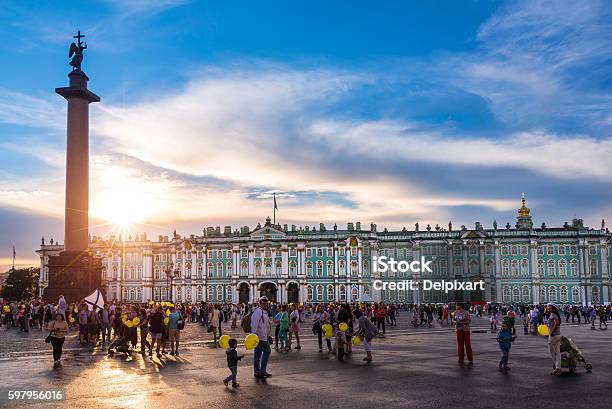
123 208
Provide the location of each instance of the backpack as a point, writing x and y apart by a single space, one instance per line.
245 324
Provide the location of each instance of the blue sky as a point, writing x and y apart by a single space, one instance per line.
392 112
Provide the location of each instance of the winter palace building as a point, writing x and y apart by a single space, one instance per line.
568 264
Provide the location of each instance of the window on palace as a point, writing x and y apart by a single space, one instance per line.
157 257
330 293
562 268
426 251
593 268
156 273
541 250
308 252
341 251
488 267
309 293
156 293
228 267
473 250
595 294
515 268
505 267
132 295
257 267
366 266
525 293
354 268
562 250
188 270
563 294
354 251
506 294
474 267
228 293
458 267
244 268
504 250
524 267
209 293
244 253
443 267
292 252
200 270
342 267
268 268
523 250
552 294
319 252
550 268
199 294
575 294
574 267
319 268
574 250
540 267
267 252
279 267
514 250
457 250
355 293
542 294
257 253
550 250
319 293
330 268
219 293
309 268
592 250
210 269
292 267
219 269
516 294
489 250
342 293
132 273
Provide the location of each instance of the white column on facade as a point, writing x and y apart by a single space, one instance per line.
251 253
285 261
535 275
194 264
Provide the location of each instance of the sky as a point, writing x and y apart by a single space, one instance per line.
386 112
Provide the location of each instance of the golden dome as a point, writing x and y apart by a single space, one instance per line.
524 210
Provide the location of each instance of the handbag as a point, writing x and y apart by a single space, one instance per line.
209 329
48 339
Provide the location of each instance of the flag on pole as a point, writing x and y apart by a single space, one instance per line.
14 255
95 299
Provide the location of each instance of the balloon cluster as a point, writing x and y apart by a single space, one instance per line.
543 330
250 342
130 322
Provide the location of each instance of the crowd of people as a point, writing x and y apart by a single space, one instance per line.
155 326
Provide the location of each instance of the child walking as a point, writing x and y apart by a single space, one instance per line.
505 339
340 343
494 321
232 363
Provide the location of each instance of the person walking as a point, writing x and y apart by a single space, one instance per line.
215 323
462 327
366 332
260 325
174 332
320 318
295 320
57 335
143 325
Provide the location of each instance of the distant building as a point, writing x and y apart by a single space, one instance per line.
569 264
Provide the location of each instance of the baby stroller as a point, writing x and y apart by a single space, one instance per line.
121 345
571 356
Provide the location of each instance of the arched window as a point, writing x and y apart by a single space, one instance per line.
342 268
210 269
488 267
458 267
330 293
595 294
179 294
199 270
550 270
524 267
319 268
188 294
319 293
505 271
552 294
156 273
188 270
366 266
132 273
156 296
292 268
228 293
593 269
342 293
330 268
199 294
355 293
219 269
562 268
132 295
219 294
139 271
354 268
309 268
543 294
514 268
540 267
268 268
309 292
244 268
516 294
575 294
209 293
563 294
574 267
526 294
443 267
506 293
279 267
258 267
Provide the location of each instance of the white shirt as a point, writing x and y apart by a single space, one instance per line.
260 324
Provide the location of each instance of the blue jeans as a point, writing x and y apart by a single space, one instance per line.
233 375
505 355
260 357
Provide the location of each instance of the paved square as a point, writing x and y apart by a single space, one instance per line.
412 367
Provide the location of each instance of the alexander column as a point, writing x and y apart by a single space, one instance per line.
75 273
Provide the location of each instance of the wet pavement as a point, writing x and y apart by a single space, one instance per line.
412 367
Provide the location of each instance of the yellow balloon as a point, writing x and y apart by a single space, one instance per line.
343 327
356 341
72 319
251 341
327 328
224 341
136 321
168 311
166 320
543 330
329 335
7 308
129 324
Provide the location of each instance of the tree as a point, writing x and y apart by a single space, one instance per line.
21 284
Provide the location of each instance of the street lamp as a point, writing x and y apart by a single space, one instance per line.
170 275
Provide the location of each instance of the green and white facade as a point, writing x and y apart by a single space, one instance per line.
569 264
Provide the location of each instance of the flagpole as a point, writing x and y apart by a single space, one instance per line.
274 209
14 257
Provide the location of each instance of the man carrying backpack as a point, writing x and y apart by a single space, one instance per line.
260 325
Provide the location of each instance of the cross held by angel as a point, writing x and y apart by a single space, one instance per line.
76 52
